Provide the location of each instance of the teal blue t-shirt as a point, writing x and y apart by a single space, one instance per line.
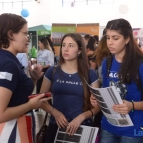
132 94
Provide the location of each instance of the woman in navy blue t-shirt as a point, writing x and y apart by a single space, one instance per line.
71 96
16 117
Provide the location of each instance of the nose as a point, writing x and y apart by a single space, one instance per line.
29 37
66 48
109 41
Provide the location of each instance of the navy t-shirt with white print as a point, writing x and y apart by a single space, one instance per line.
132 93
14 78
68 94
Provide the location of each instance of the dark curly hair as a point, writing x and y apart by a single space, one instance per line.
9 22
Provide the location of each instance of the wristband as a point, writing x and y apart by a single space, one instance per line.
91 112
133 106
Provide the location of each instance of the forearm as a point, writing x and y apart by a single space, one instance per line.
14 112
47 107
138 105
88 114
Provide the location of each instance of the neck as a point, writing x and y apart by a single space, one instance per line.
10 50
69 66
119 56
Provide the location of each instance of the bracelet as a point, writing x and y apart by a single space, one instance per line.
133 106
91 112
51 110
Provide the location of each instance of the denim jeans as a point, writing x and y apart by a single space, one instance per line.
107 137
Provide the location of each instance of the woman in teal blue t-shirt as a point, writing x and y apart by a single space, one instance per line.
122 69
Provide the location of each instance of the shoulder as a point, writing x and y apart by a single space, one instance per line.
92 76
8 63
49 73
49 52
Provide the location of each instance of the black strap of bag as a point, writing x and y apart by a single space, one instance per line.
45 119
42 133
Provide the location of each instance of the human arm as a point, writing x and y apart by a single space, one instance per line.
59 117
76 122
9 113
35 72
136 103
127 106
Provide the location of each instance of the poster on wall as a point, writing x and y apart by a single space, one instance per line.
91 29
138 34
59 30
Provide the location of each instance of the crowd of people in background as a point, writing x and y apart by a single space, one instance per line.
81 59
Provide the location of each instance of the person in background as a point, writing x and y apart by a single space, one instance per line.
100 53
122 69
50 44
17 124
33 52
52 48
71 95
86 38
90 48
45 57
96 41
23 59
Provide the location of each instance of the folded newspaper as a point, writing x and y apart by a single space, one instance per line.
84 134
106 98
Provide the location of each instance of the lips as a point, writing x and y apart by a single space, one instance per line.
65 54
111 49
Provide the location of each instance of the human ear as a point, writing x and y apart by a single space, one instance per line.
10 35
127 40
79 52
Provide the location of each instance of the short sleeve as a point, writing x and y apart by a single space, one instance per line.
93 76
9 75
48 74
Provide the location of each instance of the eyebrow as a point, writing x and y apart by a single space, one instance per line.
114 35
69 43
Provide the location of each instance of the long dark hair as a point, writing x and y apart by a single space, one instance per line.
101 52
45 43
9 22
83 69
129 68
51 44
90 44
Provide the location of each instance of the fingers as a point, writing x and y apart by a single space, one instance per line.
40 96
93 100
71 129
92 97
122 108
45 99
29 66
62 123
